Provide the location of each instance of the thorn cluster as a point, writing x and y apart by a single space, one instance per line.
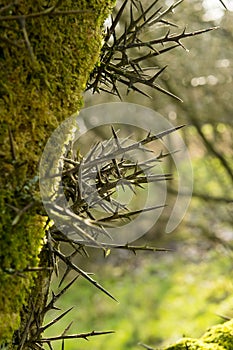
89 184
125 53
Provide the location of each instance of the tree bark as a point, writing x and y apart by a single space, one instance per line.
47 51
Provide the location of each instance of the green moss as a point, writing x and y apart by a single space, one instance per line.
221 334
20 247
45 91
38 90
216 338
193 344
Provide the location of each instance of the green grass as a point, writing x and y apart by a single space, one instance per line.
161 298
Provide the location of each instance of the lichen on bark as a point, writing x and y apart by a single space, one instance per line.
45 62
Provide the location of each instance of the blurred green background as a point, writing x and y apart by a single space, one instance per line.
163 296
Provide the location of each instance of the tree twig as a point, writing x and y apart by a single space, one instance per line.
74 336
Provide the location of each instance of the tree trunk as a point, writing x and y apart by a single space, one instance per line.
48 49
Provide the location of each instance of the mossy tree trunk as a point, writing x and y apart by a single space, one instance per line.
46 56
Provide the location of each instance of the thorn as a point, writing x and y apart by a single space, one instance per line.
55 297
50 345
67 328
43 328
82 273
223 5
151 80
115 137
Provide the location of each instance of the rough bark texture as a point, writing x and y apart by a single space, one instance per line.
45 62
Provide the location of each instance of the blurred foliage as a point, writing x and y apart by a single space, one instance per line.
166 297
161 299
201 75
